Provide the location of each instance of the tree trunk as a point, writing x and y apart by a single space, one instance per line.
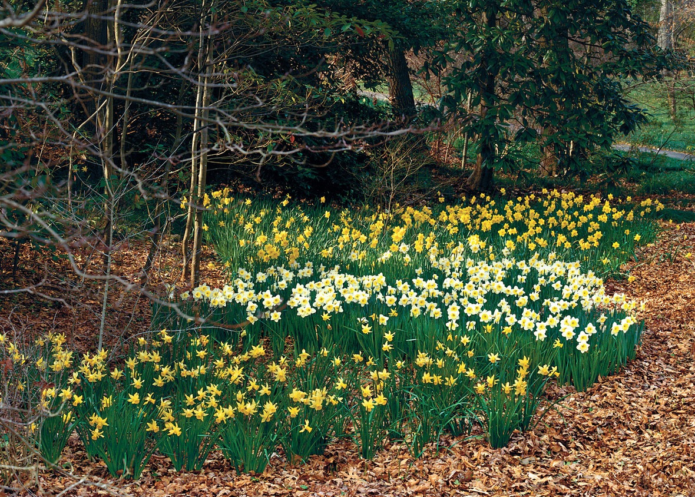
93 62
551 152
109 176
202 177
665 37
107 126
192 196
665 42
487 179
549 159
483 175
466 138
400 86
205 68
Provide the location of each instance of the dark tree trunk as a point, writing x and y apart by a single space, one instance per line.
487 179
94 62
400 86
483 175
95 30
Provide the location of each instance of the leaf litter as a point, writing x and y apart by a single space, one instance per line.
631 434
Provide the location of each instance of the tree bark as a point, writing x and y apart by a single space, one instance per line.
483 174
549 159
400 87
107 127
199 153
202 180
466 138
202 175
553 153
665 42
192 196
93 62
665 36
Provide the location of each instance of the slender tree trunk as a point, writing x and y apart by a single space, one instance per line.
105 301
159 228
192 196
109 177
400 87
106 123
466 138
107 128
483 174
124 120
665 42
202 175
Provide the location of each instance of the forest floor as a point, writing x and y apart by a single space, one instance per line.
631 434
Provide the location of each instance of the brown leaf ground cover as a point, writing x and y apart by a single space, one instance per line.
631 434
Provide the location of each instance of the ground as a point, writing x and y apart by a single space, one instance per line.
630 434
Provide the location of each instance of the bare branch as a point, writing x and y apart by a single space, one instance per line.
22 21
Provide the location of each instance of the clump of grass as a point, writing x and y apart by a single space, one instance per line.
667 183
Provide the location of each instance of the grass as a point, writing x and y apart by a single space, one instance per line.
619 173
683 182
662 131
676 216
654 174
